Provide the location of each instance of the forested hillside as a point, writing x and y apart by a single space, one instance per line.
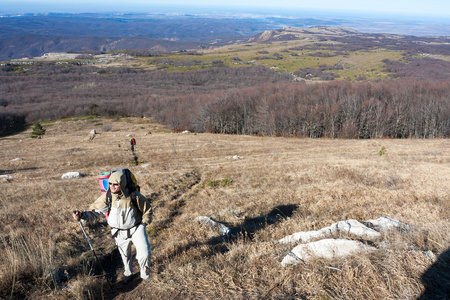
319 82
246 100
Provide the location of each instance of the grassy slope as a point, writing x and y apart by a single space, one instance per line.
356 63
326 180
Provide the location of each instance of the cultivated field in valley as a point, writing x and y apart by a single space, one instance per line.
264 188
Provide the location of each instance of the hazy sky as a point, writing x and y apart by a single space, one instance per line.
410 7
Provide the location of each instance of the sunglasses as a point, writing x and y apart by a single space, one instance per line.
114 184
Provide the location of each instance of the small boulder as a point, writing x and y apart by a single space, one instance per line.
234 157
71 175
350 226
223 230
326 249
386 223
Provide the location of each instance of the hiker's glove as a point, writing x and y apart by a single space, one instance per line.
77 215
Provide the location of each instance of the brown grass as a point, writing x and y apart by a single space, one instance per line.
45 255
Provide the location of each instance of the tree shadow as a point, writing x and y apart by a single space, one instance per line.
12 124
2 172
220 244
251 226
437 278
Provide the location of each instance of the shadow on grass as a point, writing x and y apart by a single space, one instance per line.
247 230
437 278
105 265
3 172
12 124
251 226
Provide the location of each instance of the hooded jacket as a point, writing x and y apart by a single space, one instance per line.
123 214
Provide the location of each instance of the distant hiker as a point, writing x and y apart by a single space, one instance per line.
132 143
128 214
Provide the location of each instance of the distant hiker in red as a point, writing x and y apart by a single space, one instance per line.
132 143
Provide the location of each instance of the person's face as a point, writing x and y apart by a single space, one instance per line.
114 187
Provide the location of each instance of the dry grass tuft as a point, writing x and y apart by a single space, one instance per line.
262 188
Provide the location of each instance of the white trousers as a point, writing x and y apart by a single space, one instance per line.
138 236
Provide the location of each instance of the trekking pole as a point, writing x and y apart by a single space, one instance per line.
96 258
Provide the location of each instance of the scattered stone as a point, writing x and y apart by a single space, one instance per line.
223 230
129 135
430 255
386 223
93 131
234 157
6 176
145 165
71 175
349 226
326 249
186 131
16 159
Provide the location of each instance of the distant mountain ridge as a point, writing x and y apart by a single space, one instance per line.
33 36
288 34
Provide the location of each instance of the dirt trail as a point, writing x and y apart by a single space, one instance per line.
173 195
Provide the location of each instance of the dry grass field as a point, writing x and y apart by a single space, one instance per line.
274 187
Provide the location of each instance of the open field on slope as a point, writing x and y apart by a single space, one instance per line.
366 63
307 184
356 63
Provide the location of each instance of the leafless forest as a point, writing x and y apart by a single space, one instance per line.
246 100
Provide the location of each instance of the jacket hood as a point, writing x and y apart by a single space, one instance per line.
119 178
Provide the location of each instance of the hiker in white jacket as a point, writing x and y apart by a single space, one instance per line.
127 214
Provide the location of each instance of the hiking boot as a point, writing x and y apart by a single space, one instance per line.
147 279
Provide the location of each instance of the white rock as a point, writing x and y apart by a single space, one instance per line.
223 230
304 236
186 131
93 131
145 165
129 135
6 176
234 157
353 227
326 249
386 223
70 175
349 226
16 159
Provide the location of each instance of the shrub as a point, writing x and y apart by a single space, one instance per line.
38 131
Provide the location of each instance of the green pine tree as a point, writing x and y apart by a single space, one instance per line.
38 131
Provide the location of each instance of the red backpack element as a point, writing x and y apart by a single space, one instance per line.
133 141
